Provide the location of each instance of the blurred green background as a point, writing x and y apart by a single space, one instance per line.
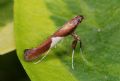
6 12
10 67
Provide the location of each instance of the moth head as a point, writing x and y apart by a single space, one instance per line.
76 20
79 18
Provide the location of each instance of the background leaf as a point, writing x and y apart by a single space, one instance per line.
15 71
6 27
7 42
36 20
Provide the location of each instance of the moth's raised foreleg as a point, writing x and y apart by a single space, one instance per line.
74 43
77 39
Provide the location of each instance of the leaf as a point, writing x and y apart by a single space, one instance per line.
6 12
35 20
6 27
7 43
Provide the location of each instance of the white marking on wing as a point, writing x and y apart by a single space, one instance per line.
55 40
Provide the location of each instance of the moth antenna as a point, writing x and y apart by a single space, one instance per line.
73 59
42 57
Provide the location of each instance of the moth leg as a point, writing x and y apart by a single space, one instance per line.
74 43
42 57
73 59
75 36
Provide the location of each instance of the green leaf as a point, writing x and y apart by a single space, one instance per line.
35 20
6 12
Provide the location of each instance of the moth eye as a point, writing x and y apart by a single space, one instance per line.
79 20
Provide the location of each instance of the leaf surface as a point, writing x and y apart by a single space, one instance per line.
35 20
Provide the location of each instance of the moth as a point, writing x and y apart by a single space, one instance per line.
67 29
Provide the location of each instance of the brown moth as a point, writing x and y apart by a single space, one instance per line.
67 29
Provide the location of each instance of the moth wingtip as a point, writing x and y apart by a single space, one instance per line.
26 54
26 50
